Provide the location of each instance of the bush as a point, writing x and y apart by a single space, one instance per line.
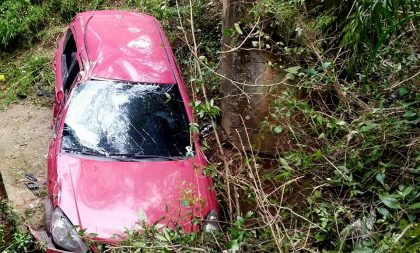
19 22
372 23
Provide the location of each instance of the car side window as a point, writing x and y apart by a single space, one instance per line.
70 66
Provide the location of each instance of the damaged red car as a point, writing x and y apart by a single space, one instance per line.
121 143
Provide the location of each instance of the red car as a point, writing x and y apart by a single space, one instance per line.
122 153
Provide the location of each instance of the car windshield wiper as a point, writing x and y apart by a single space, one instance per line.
85 151
92 152
144 156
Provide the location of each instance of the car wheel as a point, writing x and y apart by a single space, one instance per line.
48 214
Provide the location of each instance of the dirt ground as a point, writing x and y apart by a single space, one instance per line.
25 131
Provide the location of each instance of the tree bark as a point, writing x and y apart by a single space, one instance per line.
247 88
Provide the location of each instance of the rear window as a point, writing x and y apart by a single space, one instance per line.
124 118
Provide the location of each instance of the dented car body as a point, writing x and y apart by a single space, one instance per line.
121 143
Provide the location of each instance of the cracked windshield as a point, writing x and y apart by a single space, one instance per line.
120 118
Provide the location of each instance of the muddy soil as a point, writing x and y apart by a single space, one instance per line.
25 131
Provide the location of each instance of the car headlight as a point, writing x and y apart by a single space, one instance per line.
64 234
210 224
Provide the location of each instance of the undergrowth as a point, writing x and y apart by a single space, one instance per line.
13 236
346 175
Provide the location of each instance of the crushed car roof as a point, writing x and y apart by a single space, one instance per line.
123 45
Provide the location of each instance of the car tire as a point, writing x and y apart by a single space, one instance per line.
48 214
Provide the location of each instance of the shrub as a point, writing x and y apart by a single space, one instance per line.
19 22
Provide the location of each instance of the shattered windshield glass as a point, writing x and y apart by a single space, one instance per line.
109 117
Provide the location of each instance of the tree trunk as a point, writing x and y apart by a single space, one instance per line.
247 87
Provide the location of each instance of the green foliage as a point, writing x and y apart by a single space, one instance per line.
19 20
12 237
22 20
22 242
67 9
378 170
364 26
161 9
323 22
283 15
238 233
155 238
373 22
353 133
206 109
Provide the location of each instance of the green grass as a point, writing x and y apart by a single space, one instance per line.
26 76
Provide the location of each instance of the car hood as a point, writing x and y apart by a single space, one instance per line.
106 197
